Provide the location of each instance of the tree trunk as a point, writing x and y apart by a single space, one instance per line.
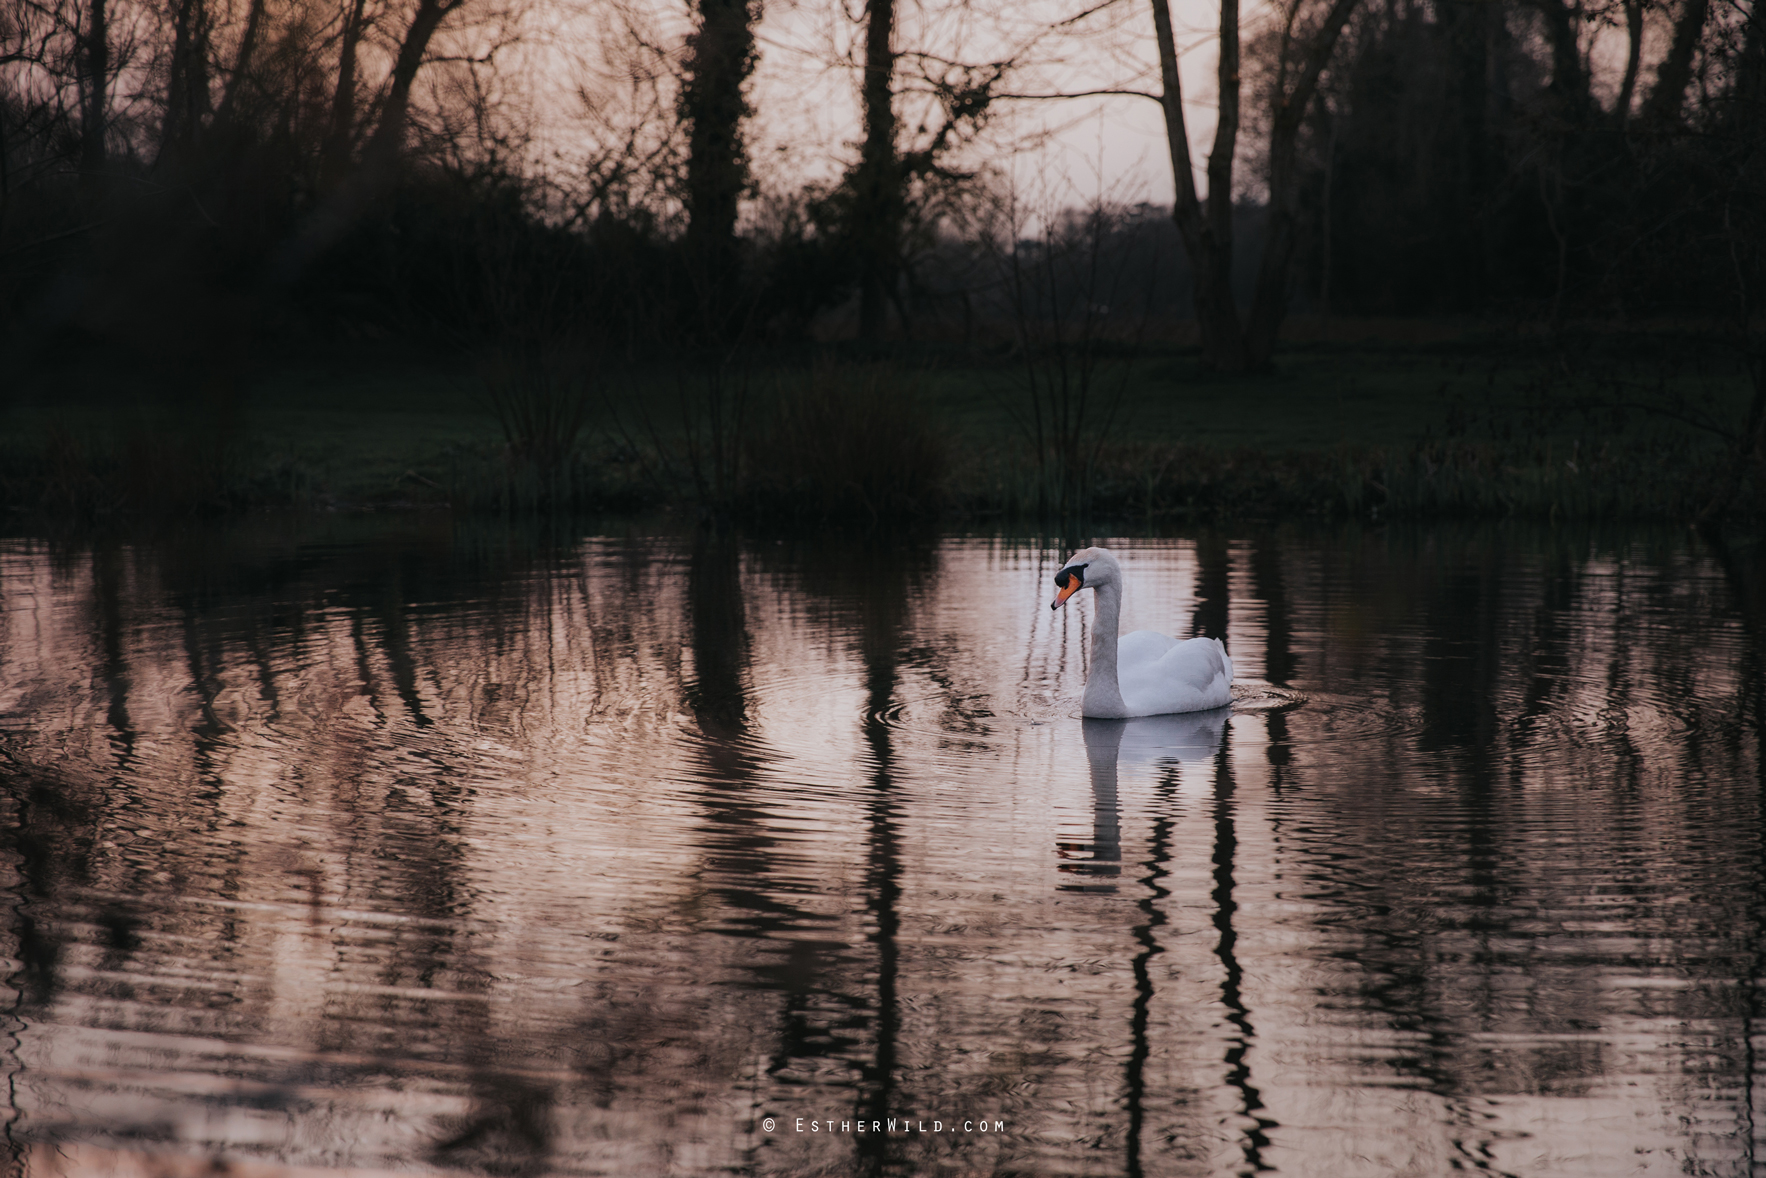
94 109
1269 305
6 188
1227 349
357 192
1569 80
1633 60
389 135
1467 195
720 57
242 63
1207 234
1750 75
1675 71
334 159
187 92
877 195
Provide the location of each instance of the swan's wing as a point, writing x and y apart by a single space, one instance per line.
1188 677
1141 647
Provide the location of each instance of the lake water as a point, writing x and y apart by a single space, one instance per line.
407 845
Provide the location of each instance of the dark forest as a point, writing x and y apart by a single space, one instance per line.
200 192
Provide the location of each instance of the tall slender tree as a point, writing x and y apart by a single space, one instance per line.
714 103
187 79
334 160
1633 61
244 59
95 97
376 171
906 164
1674 73
388 139
1207 229
877 204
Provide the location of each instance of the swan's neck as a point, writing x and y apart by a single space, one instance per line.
1103 697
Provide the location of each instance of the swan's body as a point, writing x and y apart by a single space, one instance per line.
1144 673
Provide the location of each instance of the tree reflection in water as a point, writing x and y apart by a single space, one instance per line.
1159 744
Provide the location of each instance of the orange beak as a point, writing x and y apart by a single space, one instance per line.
1072 586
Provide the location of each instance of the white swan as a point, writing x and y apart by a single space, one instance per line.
1144 673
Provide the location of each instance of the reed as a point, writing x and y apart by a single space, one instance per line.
539 397
847 443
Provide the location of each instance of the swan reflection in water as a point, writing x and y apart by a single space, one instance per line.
1143 743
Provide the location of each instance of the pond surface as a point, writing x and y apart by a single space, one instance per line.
415 846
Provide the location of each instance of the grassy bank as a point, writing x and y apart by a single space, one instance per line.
1461 426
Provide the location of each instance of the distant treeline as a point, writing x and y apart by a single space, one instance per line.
1580 158
185 175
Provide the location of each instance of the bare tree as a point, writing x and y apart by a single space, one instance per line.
902 177
376 170
714 104
1633 61
388 139
630 129
244 59
187 79
1569 72
95 89
876 182
334 162
1207 232
1675 71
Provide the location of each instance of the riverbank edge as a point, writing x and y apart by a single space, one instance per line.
1420 431
1426 480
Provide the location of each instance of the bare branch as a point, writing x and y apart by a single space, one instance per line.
1102 93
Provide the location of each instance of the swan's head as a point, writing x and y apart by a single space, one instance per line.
1086 569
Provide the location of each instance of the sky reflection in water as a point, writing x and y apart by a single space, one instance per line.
405 846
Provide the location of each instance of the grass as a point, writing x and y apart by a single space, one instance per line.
1414 428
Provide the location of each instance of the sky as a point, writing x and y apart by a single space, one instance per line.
1069 150
1114 146
1058 151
